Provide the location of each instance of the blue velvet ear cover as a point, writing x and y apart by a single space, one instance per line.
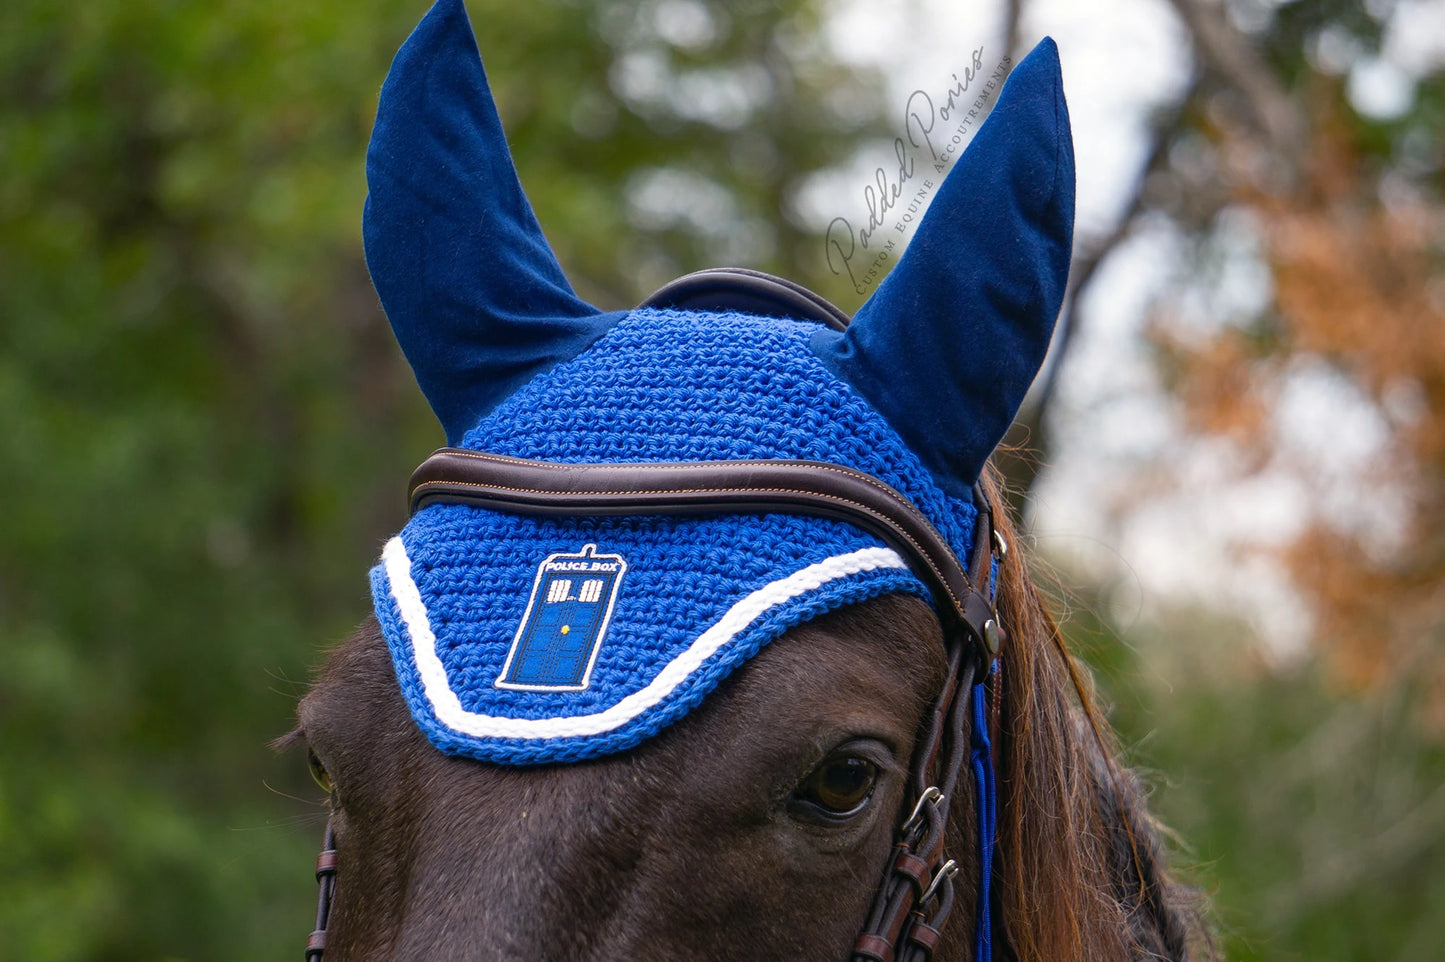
948 345
474 293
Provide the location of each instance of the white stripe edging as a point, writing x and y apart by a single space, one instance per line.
448 707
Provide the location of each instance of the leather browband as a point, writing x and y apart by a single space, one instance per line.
454 475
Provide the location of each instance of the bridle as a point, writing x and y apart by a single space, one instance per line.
916 894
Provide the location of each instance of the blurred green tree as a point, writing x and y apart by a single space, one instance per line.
1313 820
204 423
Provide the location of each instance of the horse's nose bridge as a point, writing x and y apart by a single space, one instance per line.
587 835
528 853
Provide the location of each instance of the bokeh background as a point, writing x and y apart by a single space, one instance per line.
1232 467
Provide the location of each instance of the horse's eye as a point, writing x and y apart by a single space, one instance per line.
839 787
319 774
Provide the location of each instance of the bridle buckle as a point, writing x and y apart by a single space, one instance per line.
932 794
945 872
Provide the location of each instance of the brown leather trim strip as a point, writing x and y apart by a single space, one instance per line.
706 487
906 863
924 936
873 948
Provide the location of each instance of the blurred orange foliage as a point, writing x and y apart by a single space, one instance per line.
1355 255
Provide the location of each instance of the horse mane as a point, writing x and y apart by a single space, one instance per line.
1081 868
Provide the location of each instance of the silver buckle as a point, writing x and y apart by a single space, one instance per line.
945 872
930 794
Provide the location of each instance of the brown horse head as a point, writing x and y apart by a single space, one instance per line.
736 832
692 647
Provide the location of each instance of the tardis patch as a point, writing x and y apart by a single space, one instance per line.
556 645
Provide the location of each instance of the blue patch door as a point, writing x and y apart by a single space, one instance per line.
566 619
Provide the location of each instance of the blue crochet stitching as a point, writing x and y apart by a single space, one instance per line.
660 386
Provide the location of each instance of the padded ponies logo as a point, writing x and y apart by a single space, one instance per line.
936 131
567 615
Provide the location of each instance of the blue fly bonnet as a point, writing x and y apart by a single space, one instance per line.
527 638
634 503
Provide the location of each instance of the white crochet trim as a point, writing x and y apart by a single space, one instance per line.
449 710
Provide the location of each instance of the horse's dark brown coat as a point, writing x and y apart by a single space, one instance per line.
683 848
686 847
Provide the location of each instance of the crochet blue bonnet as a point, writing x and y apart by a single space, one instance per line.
524 639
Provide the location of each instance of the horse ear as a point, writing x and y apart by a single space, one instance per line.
475 295
948 345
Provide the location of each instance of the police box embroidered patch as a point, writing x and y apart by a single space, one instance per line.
556 646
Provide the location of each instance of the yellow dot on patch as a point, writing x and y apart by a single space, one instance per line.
566 629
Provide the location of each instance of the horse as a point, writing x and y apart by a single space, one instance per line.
705 620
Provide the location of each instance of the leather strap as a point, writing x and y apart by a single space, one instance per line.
709 487
326 890
725 289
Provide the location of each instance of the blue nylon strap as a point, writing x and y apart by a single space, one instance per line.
986 793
